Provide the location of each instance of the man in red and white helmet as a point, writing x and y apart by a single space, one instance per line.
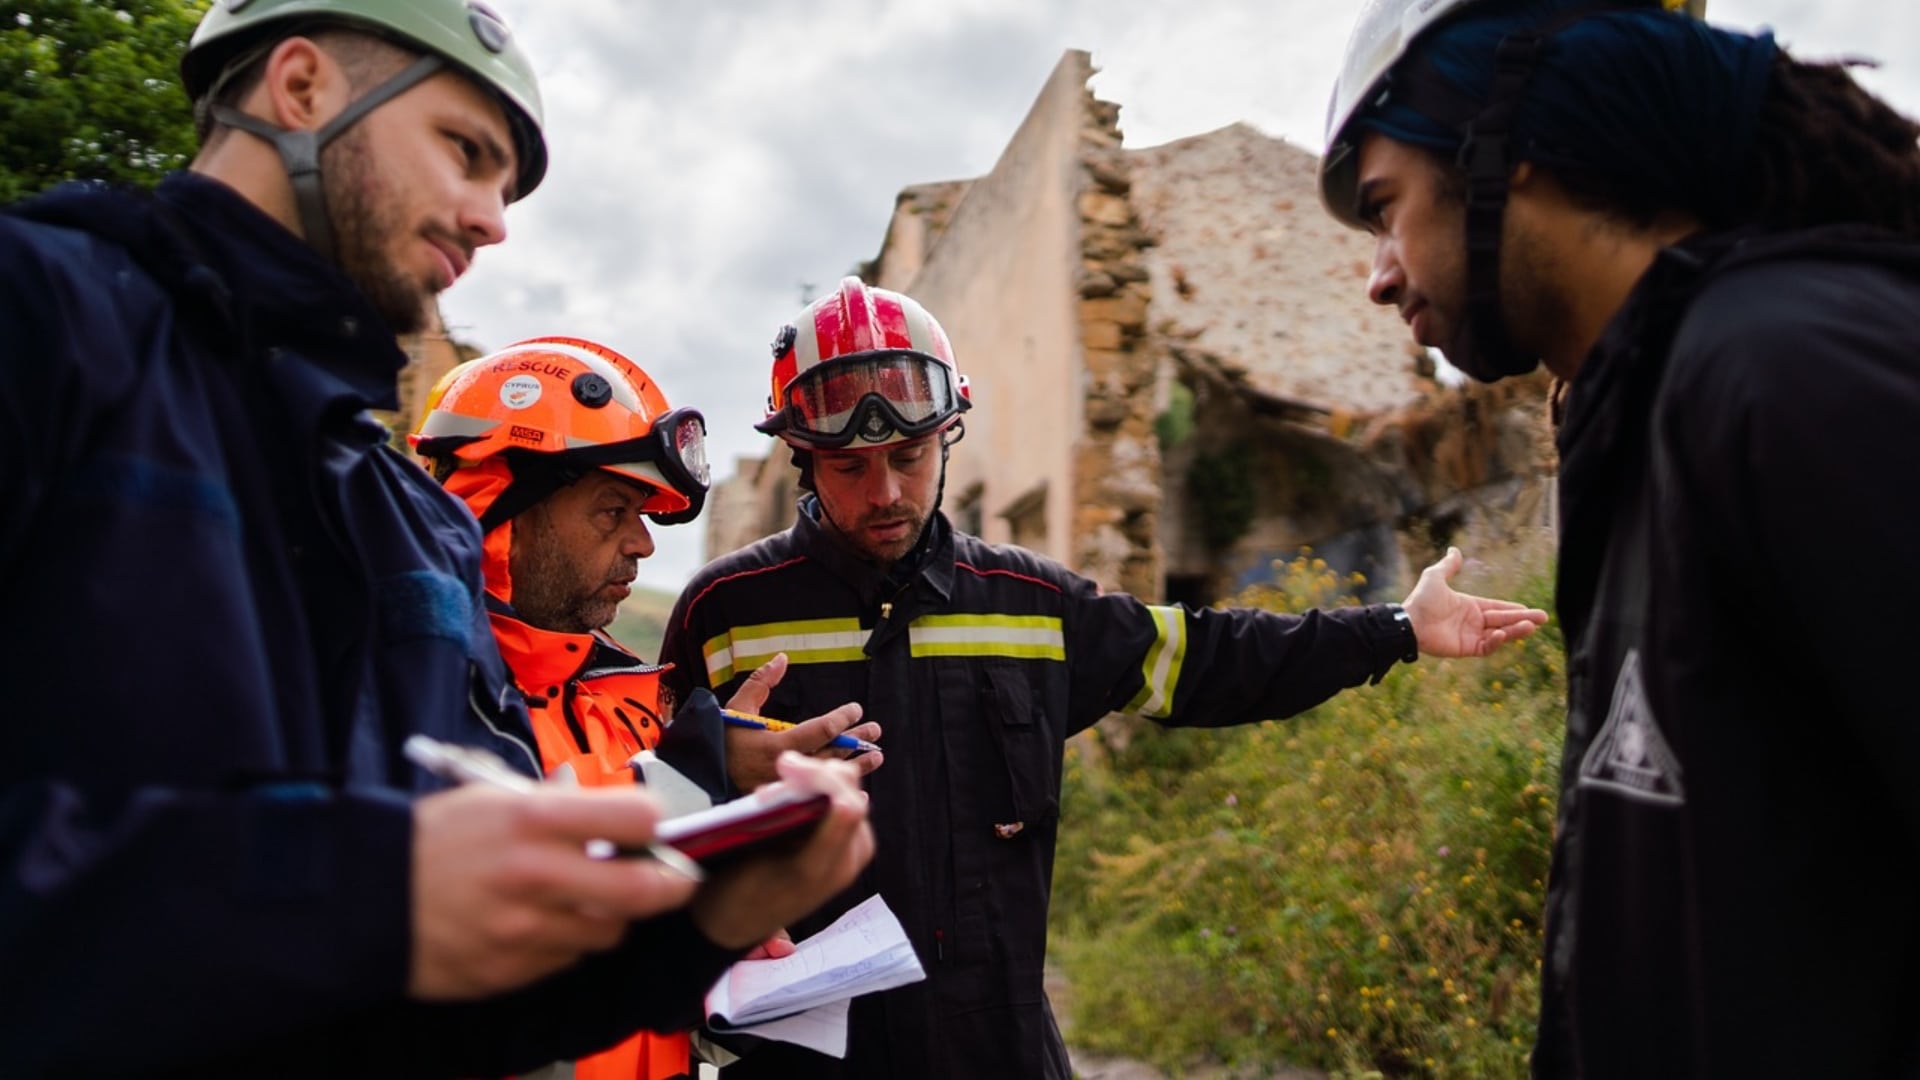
979 661
860 372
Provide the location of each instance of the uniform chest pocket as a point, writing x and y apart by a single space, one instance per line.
1013 709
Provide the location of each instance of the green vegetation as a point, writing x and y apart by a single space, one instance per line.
1359 889
1222 489
93 91
641 622
1175 425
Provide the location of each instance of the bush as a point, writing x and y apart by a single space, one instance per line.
1359 889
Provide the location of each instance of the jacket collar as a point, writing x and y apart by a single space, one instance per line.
1625 364
928 567
540 659
295 299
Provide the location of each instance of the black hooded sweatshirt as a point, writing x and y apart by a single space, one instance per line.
1736 879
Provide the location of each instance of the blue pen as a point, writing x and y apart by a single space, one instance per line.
767 723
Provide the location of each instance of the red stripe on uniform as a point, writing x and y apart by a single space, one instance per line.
686 622
1007 573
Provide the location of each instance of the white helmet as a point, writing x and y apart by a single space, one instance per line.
1385 31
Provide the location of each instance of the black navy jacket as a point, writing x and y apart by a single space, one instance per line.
1736 880
979 662
224 603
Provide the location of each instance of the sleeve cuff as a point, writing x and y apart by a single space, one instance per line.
1393 638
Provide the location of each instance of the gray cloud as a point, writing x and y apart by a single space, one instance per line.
709 157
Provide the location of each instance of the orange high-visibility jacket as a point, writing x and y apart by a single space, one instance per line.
594 705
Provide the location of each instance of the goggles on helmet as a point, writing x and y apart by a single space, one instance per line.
670 459
871 397
672 456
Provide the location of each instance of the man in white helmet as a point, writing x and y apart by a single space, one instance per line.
978 662
238 604
1715 248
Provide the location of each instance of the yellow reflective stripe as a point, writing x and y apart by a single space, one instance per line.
805 641
1023 637
1161 669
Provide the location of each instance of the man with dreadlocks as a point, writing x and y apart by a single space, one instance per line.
1712 244
978 662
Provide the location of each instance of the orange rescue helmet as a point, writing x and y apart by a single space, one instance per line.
553 407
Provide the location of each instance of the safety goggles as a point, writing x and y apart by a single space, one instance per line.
871 397
672 455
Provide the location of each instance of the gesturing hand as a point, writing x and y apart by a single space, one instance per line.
1450 623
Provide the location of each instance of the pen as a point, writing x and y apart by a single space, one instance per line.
767 723
472 765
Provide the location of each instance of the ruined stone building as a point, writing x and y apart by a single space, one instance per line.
1177 377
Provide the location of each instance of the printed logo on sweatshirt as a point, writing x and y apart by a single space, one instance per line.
1629 756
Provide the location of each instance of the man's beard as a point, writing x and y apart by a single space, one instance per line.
851 535
552 592
366 218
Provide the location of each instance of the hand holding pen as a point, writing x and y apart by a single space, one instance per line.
510 882
842 741
472 765
752 749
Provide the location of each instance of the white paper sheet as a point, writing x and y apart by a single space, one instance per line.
865 951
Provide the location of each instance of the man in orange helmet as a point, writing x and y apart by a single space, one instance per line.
563 448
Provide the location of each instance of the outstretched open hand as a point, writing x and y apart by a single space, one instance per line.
1451 623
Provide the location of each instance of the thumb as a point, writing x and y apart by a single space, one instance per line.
1448 565
752 695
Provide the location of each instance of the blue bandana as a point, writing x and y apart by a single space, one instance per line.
1661 101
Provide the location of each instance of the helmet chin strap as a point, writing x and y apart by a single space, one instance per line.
300 150
1482 347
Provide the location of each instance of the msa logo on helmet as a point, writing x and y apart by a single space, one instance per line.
530 435
520 392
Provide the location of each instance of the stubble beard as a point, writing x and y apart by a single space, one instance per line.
365 215
551 592
892 553
1536 313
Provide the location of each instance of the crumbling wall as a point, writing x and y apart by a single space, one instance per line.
1117 470
1000 278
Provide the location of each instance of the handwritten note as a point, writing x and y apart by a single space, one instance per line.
865 951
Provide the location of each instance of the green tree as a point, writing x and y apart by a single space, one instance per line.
92 91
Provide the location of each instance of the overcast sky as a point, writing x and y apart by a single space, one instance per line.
712 159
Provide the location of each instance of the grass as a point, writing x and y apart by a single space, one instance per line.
1358 889
642 621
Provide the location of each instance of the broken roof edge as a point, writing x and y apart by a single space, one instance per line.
1236 126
